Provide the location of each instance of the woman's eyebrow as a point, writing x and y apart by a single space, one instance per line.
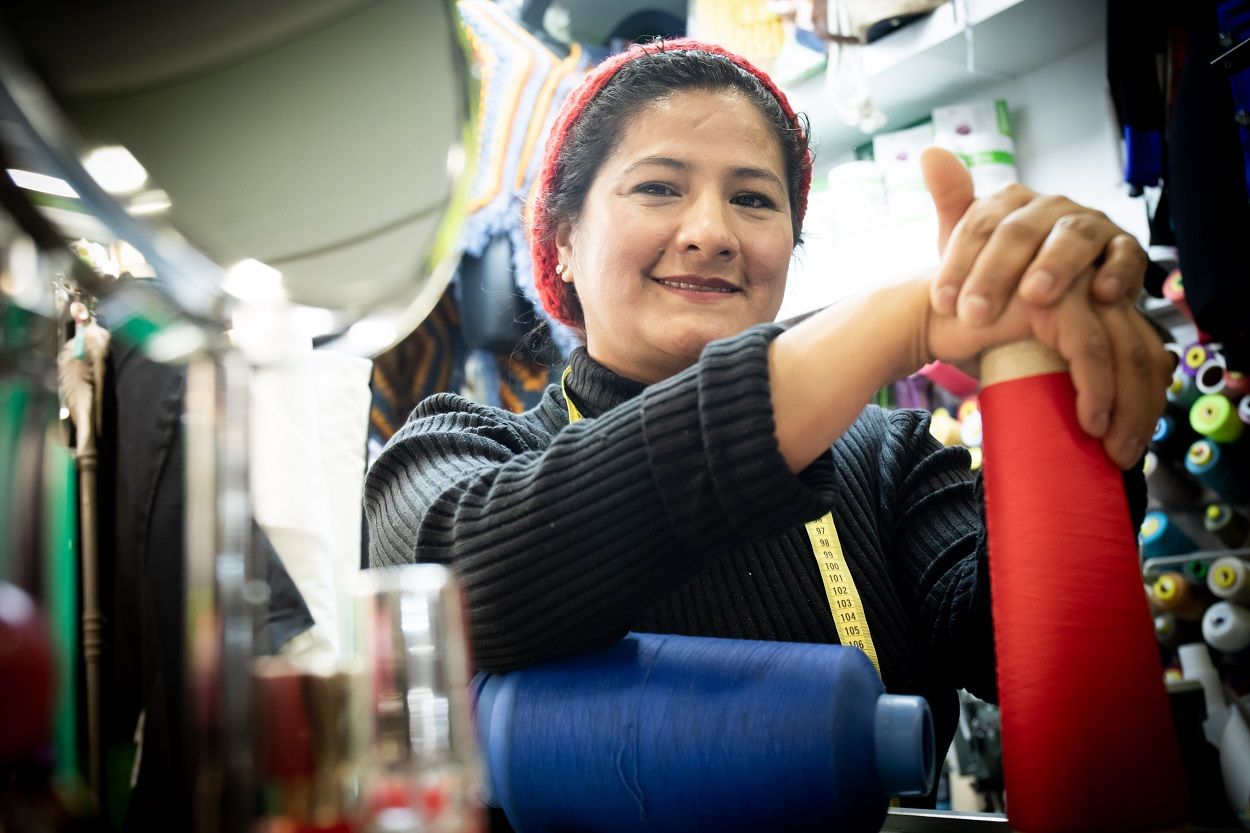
758 173
741 172
662 161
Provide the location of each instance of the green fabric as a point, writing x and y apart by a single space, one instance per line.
61 599
14 399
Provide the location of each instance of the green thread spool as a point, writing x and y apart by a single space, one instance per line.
1214 417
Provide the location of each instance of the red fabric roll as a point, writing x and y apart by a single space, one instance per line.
1087 727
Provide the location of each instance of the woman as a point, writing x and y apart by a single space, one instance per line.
672 196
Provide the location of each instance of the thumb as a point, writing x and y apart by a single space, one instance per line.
950 186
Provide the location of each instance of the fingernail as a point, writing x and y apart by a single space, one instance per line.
946 297
1099 423
1039 281
974 308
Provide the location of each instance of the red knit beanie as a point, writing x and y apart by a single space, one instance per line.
557 296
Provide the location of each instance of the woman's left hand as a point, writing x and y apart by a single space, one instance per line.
1083 306
1017 241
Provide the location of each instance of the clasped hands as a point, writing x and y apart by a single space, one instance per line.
1018 265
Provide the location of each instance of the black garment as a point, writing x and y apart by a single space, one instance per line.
1159 55
670 509
1206 179
141 556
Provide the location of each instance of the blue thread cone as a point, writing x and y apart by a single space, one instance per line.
669 733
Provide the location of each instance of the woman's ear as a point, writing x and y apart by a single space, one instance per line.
564 251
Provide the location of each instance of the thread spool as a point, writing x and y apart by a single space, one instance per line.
1226 628
944 427
1169 485
1210 463
1195 571
1236 385
1182 392
1227 524
1211 377
1172 437
1095 628
27 669
1160 537
1214 417
970 431
1171 631
1173 594
672 733
1174 291
285 743
1229 580
1194 357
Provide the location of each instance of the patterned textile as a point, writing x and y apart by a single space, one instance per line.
522 86
430 360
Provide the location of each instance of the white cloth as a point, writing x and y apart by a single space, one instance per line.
309 423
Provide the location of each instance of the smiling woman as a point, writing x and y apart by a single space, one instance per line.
688 226
675 484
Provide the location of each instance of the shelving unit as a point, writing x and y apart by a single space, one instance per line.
924 64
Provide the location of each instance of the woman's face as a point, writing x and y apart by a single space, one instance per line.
685 235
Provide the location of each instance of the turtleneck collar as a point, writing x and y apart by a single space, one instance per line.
596 389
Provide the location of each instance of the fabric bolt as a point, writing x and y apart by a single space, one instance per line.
670 509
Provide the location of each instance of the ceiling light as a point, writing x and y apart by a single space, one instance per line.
146 204
43 183
115 169
251 280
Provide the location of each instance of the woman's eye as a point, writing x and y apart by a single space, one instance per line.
753 201
655 189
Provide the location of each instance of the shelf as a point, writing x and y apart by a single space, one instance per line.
923 65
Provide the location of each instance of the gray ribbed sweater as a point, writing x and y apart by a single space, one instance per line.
670 509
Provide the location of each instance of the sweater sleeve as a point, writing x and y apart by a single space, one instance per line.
941 550
561 546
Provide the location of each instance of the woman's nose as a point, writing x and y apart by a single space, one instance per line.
706 228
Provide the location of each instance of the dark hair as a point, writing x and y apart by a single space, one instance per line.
648 74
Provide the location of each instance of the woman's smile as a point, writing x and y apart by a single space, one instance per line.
698 288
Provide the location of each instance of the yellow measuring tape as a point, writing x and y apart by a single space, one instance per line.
845 604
